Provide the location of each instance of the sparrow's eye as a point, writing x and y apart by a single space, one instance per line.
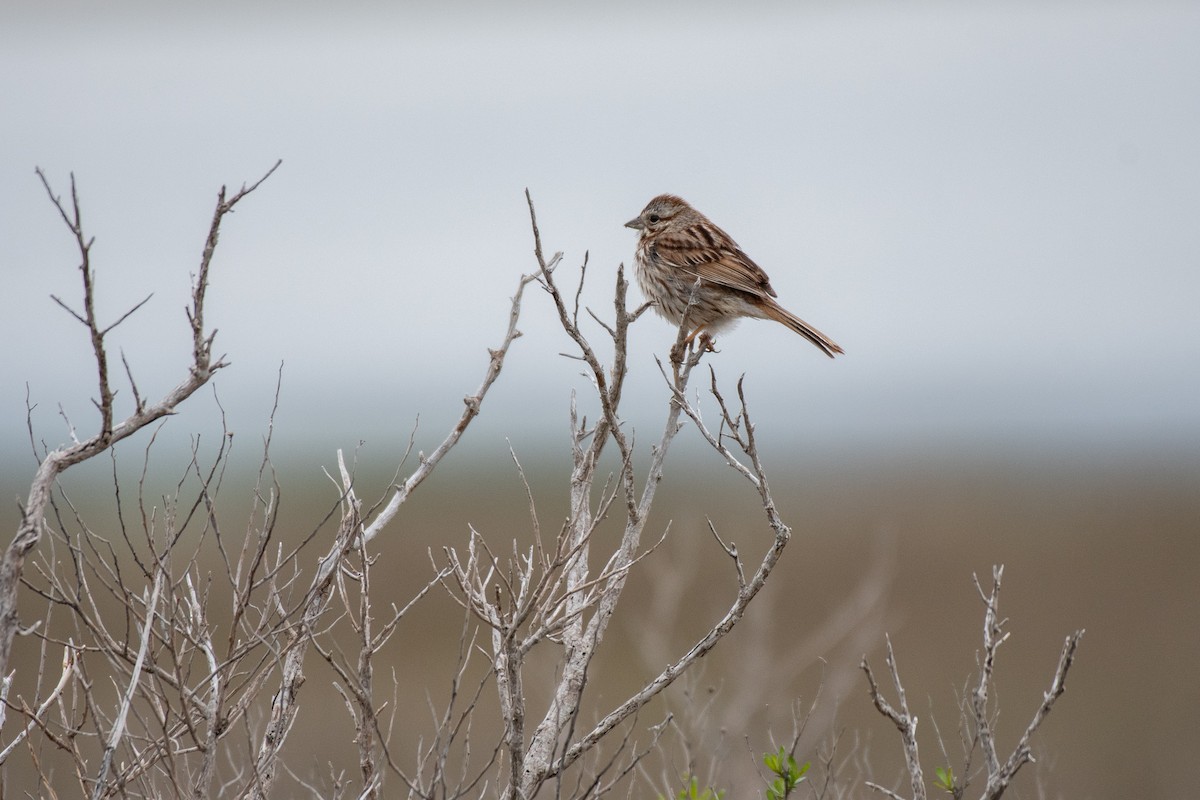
654 217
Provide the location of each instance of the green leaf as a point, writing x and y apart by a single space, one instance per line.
788 773
945 778
691 791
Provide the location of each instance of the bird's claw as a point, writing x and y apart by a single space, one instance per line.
703 343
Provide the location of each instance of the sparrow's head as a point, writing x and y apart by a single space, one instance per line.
664 212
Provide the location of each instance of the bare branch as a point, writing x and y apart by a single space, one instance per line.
472 403
118 730
884 790
70 654
904 721
999 775
126 315
353 533
993 637
29 530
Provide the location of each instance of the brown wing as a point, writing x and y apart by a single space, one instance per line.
704 251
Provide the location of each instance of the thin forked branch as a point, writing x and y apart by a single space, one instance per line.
30 528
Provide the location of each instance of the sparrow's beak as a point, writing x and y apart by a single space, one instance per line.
635 223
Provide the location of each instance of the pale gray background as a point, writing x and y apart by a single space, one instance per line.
993 207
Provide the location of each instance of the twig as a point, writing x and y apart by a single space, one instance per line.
118 729
904 721
993 637
30 528
999 775
472 403
352 533
68 669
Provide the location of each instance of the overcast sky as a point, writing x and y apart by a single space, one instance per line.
994 208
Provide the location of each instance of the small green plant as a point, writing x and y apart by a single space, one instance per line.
945 779
787 774
692 791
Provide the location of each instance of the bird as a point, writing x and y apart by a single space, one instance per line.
678 246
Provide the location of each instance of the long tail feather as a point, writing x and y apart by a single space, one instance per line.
780 314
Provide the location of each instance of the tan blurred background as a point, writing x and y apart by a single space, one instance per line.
1092 540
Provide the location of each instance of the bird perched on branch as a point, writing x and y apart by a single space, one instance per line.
679 246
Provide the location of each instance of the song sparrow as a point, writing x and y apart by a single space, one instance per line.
679 245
